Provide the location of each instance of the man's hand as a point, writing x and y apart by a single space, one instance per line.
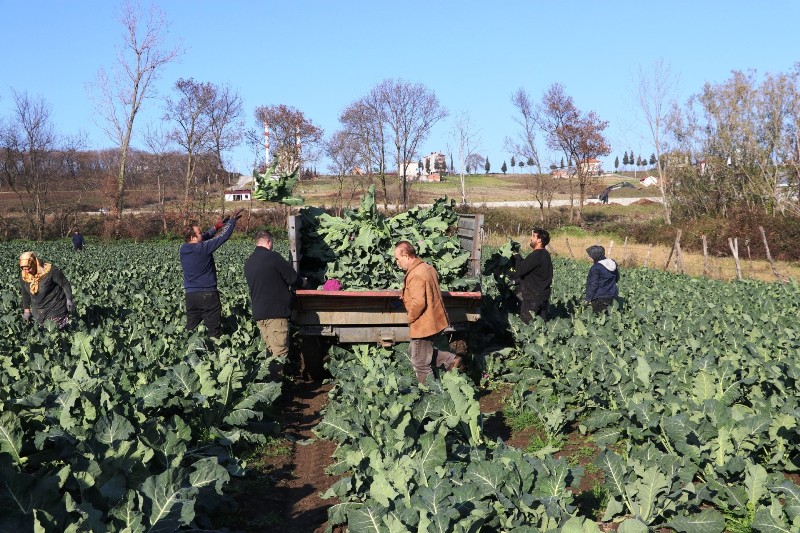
238 213
70 306
26 315
219 224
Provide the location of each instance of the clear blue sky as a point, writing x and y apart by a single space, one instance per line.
319 56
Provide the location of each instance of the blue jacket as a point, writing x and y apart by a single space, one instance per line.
197 260
602 280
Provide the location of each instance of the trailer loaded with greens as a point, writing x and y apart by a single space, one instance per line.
354 253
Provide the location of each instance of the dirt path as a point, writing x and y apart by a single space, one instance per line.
283 492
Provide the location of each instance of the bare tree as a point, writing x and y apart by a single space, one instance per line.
365 122
226 124
119 98
344 154
297 139
466 141
191 130
578 136
411 110
792 141
475 162
28 166
655 94
528 120
542 187
160 159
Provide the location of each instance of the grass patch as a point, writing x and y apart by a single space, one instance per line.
592 503
581 453
262 454
519 420
538 443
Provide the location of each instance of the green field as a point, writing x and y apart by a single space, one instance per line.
681 408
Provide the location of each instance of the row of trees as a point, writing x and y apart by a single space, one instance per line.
629 161
577 135
733 144
200 122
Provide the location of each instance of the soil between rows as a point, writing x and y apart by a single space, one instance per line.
283 492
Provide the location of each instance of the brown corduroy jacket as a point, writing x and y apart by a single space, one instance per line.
422 299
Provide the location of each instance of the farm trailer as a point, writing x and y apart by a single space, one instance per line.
374 317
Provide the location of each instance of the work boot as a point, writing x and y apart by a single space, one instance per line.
457 364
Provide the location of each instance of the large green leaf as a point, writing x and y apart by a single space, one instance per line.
168 501
11 436
706 521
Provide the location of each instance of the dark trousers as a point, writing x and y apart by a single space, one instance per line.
528 310
601 304
424 356
204 306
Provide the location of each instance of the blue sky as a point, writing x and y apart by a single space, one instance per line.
319 56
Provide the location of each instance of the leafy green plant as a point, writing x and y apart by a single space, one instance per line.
127 422
357 248
270 188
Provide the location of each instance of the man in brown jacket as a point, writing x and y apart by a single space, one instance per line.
427 317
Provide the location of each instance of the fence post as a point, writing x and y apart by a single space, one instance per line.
569 248
769 255
734 244
624 247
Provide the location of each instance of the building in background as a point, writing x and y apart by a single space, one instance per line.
238 195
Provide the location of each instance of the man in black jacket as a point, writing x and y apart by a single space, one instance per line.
269 278
535 275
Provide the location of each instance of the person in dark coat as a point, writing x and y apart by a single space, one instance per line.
46 293
200 273
77 240
270 278
534 274
601 283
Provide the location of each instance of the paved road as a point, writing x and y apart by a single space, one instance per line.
558 203
520 203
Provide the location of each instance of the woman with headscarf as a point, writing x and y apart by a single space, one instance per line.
601 283
46 293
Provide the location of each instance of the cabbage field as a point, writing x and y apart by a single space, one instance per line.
687 396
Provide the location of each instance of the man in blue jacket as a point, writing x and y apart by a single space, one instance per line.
77 240
601 283
200 273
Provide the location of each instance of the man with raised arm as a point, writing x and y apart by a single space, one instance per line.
200 273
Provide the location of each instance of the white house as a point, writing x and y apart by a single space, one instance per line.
435 161
238 195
